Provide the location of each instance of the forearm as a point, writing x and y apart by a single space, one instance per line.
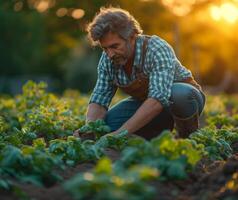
147 111
95 111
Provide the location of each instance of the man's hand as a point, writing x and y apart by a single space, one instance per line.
76 133
84 136
111 133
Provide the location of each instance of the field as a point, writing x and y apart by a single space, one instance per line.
40 159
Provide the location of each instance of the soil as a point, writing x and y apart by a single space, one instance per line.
207 182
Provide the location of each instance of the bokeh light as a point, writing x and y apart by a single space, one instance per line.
18 6
42 6
77 13
61 12
227 11
180 7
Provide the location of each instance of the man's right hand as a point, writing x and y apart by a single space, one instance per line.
84 136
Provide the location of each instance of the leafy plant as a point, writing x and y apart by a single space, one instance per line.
104 182
98 127
216 142
172 157
73 150
30 164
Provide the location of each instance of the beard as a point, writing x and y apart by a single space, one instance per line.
121 59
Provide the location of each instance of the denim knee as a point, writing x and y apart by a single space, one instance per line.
186 100
121 112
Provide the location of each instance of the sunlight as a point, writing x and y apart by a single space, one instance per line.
226 11
181 10
215 13
180 7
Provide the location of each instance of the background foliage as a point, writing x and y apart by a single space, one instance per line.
46 39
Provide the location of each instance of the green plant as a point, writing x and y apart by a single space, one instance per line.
216 142
97 127
105 182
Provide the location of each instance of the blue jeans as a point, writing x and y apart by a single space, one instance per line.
185 101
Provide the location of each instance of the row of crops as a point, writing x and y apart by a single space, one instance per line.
36 146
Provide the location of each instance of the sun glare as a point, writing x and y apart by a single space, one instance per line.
180 7
226 11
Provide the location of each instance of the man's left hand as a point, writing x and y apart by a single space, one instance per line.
111 133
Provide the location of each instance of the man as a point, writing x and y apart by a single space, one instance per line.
145 67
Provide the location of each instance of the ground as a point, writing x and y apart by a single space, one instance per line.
209 180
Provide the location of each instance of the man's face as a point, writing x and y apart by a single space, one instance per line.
118 49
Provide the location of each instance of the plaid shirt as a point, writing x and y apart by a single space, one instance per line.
160 65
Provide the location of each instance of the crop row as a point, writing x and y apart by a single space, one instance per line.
36 143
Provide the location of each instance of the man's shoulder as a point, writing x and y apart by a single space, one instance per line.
155 42
104 57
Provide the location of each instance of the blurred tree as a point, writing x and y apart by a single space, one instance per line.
202 44
81 67
22 41
40 36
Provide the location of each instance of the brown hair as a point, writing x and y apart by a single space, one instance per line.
115 20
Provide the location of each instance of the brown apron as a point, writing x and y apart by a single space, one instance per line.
139 87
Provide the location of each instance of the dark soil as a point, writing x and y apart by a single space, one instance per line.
207 182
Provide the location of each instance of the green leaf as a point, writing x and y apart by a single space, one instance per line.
11 155
5 184
34 179
104 166
39 143
176 169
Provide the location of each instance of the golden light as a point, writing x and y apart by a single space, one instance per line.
229 12
181 10
179 7
42 6
61 12
226 11
215 13
78 13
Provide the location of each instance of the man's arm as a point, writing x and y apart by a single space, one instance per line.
95 111
146 112
103 92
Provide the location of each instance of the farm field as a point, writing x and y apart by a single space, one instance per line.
40 159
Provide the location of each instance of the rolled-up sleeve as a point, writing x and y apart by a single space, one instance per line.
104 89
161 75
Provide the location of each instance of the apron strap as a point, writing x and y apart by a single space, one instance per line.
144 49
139 70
